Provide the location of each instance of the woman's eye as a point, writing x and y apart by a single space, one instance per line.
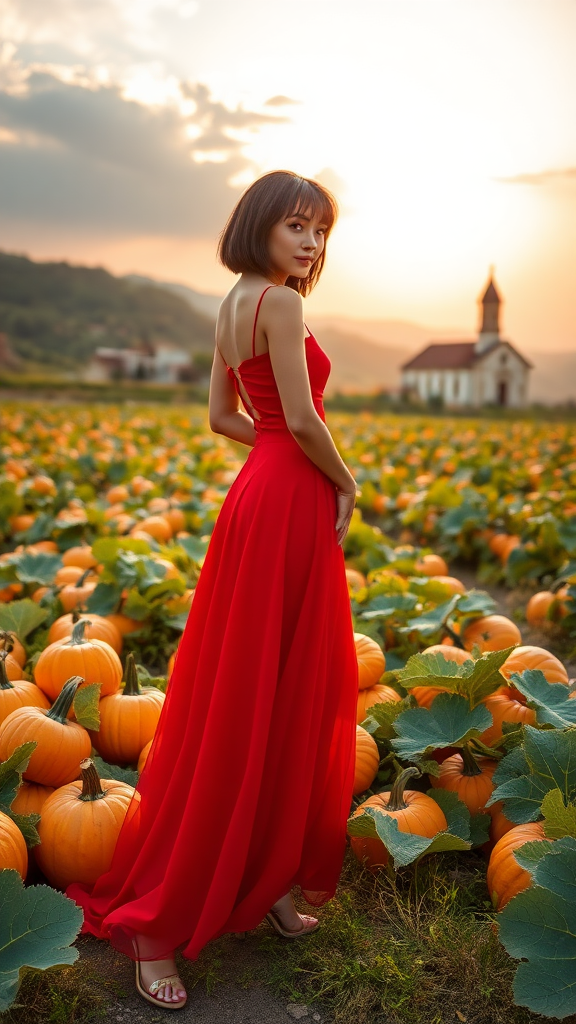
295 225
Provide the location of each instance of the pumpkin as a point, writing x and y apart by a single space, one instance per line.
505 707
14 669
68 574
371 660
425 694
80 556
505 878
118 493
74 594
491 633
175 518
431 565
144 756
526 657
18 693
10 643
378 694
124 624
97 628
128 719
30 798
13 852
415 813
94 660
454 585
79 827
499 824
157 527
367 760
469 777
60 744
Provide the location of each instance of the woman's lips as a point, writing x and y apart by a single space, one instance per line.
303 259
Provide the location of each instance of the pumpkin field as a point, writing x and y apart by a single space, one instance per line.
465 784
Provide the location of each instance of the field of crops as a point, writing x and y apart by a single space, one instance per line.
466 736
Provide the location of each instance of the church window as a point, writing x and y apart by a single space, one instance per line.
503 358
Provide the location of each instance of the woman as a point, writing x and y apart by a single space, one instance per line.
248 783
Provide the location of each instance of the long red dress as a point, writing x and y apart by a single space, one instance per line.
248 783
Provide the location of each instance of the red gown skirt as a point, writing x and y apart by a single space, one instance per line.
248 784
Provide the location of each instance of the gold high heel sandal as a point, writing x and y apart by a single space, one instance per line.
149 994
274 920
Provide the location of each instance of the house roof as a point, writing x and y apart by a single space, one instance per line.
455 355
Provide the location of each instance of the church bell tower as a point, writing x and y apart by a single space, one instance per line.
490 322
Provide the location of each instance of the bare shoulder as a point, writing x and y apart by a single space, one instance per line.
283 301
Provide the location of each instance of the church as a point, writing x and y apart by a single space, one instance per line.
471 373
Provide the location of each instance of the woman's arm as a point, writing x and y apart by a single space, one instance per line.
224 409
281 317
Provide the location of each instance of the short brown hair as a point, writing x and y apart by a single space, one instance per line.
243 244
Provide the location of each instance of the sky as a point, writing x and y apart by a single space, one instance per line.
446 128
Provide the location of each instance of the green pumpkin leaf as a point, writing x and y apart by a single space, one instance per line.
11 772
433 620
384 605
551 700
455 811
448 722
135 606
559 819
380 718
476 602
195 548
39 568
531 852
479 828
85 704
21 617
27 825
473 679
104 599
539 926
114 771
37 926
546 762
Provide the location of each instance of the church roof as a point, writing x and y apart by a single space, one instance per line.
454 355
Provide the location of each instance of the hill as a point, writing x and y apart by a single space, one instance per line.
55 314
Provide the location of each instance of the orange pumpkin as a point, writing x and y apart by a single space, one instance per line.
128 719
60 744
79 827
431 565
13 852
175 518
425 694
505 878
415 813
505 707
80 556
355 579
123 624
144 756
10 643
18 693
469 777
526 657
97 628
14 669
30 798
367 760
500 824
94 660
157 527
491 633
455 586
371 660
378 694
74 594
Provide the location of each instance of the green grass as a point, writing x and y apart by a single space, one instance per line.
59 995
420 949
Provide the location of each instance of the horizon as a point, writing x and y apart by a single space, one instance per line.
128 131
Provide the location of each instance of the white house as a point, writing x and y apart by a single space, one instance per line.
471 373
161 362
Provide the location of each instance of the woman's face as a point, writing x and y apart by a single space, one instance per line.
295 243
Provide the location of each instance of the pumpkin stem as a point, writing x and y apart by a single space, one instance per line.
77 636
132 685
469 763
75 616
8 639
61 706
454 636
80 580
91 788
5 683
397 801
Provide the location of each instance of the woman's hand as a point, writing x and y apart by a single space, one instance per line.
345 502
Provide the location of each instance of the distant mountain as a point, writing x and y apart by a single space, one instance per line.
203 303
56 314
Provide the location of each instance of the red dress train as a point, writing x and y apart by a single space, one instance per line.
248 784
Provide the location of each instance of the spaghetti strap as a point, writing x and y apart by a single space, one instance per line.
256 317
